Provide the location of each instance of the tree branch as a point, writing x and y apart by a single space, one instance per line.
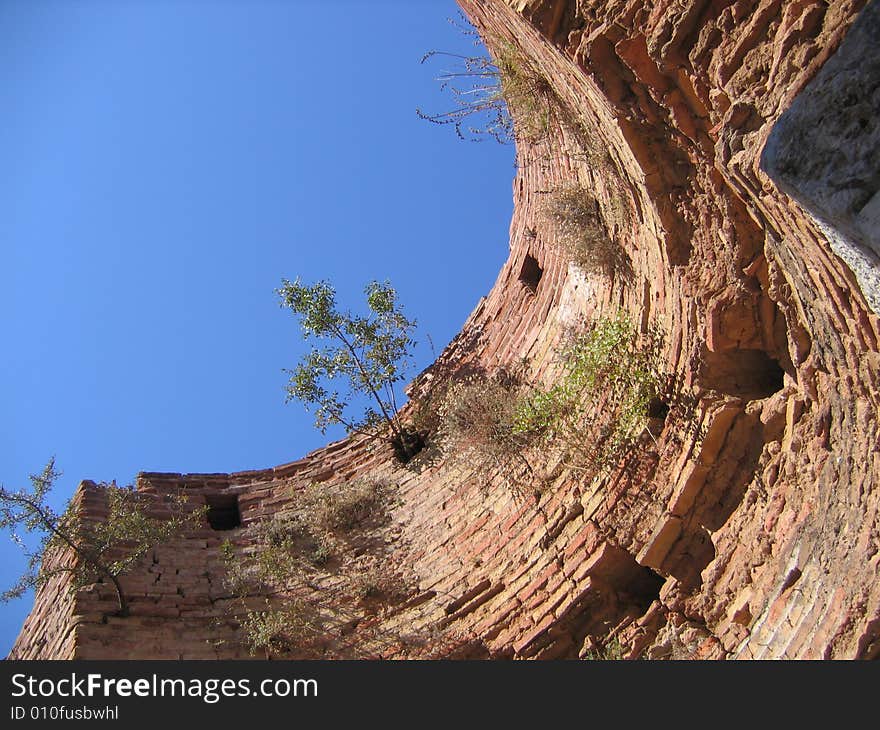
78 549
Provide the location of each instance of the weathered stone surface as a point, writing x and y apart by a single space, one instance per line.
747 525
825 150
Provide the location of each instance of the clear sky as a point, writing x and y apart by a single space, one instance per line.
163 164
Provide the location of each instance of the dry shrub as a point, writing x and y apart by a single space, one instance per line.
283 553
579 230
278 550
344 506
503 97
530 99
377 584
480 431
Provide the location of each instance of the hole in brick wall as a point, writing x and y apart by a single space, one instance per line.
621 587
530 273
792 578
408 445
223 512
644 588
657 408
751 374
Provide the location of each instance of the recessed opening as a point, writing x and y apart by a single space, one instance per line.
223 513
531 273
751 374
621 589
644 587
791 579
408 445
657 408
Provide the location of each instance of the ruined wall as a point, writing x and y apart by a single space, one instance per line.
825 151
747 527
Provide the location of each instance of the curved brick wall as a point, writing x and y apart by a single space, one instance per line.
749 529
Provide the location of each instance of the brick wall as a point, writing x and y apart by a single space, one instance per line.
745 527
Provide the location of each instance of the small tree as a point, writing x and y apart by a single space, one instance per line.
102 549
370 353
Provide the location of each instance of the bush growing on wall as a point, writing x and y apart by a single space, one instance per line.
597 408
479 430
502 97
579 231
612 370
265 577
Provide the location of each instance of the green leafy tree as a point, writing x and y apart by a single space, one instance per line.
369 353
102 549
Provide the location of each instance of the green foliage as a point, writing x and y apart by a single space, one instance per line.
370 354
320 554
595 410
279 545
609 369
128 533
283 546
24 512
539 410
610 360
294 626
103 549
612 651
277 554
282 550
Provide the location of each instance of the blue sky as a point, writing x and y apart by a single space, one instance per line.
164 165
